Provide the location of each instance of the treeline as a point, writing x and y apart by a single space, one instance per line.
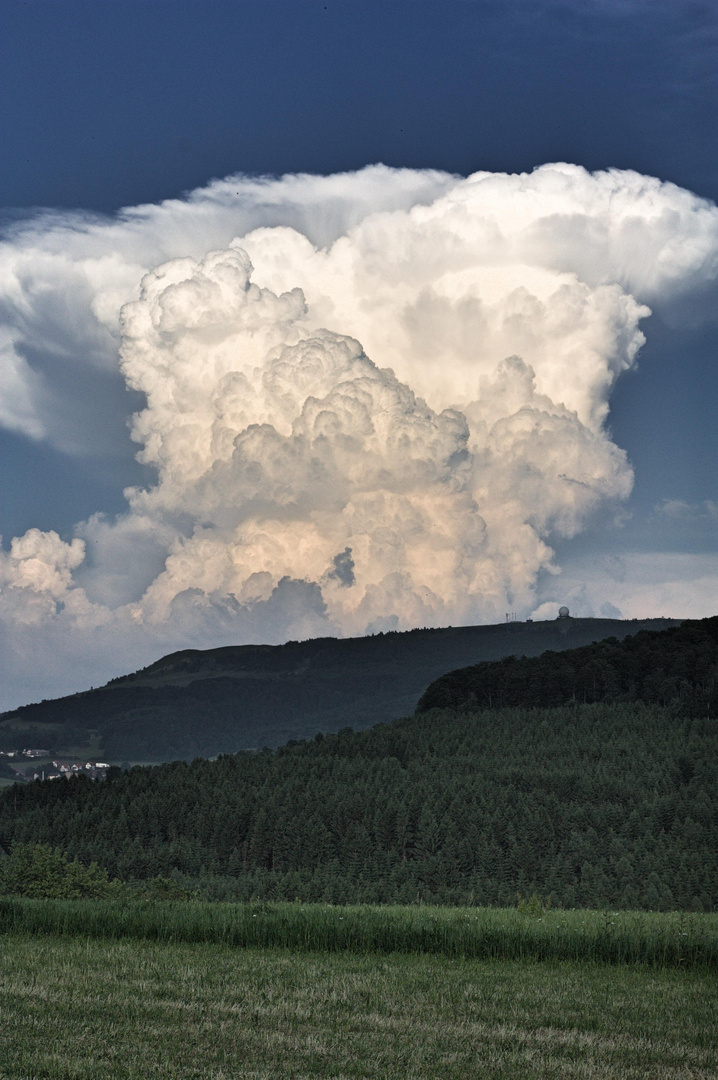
595 805
39 872
678 666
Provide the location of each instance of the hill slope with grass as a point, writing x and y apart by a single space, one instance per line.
204 703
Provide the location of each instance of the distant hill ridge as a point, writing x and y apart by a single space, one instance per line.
676 666
202 703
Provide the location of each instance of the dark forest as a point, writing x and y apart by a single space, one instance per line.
588 803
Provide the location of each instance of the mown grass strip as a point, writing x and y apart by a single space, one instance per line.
657 939
135 1010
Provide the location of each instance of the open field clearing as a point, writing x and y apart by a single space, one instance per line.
129 1010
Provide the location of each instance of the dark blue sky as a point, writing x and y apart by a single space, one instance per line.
117 102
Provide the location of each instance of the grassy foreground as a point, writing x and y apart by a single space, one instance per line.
132 1010
658 939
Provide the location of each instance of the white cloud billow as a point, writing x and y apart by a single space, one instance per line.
373 400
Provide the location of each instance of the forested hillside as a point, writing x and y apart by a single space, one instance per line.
222 700
593 804
677 666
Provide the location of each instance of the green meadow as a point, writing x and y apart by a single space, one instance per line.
530 931
131 1009
129 989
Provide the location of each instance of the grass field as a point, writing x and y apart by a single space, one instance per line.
656 938
129 1010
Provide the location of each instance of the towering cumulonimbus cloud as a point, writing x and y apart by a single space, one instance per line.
285 445
372 401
